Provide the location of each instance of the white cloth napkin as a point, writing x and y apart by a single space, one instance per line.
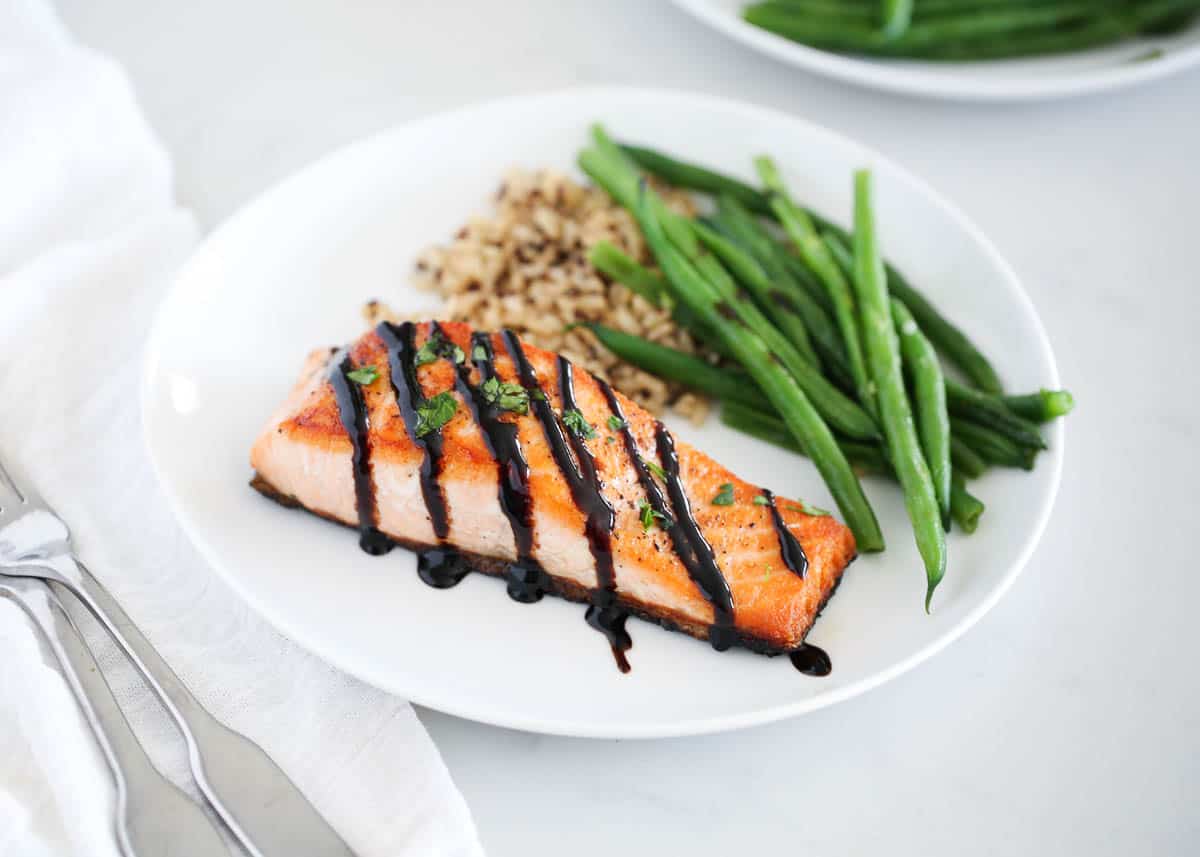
89 236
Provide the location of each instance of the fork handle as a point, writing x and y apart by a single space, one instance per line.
153 816
262 807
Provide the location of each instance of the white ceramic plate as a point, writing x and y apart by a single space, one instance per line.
1006 80
290 272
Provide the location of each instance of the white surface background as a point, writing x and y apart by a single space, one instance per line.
1068 721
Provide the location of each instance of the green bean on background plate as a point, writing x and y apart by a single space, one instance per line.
966 29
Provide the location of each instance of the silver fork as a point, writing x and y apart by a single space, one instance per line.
263 809
153 817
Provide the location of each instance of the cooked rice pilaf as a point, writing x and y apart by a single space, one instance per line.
525 267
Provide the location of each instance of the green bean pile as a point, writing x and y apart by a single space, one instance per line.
967 29
825 348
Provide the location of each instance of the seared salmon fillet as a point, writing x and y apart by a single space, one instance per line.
434 436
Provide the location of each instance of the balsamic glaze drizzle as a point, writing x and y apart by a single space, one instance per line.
690 545
353 413
527 582
793 552
587 489
581 477
584 483
603 613
811 660
441 567
402 349
610 621
705 571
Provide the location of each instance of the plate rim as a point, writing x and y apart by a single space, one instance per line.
927 83
571 728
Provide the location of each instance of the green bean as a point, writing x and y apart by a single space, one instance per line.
1121 24
883 358
689 176
800 229
686 369
948 339
897 16
865 457
693 177
920 38
1042 406
639 279
841 412
610 261
780 388
991 411
964 459
795 266
790 262
609 168
965 509
992 446
750 274
929 402
971 31
745 231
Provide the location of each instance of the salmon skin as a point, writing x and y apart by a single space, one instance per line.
481 452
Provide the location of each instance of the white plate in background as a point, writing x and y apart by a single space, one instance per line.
290 271
1082 73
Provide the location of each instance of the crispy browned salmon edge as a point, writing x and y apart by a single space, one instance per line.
570 590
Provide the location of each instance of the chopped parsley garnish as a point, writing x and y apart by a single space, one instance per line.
767 573
615 423
650 516
479 352
610 439
808 509
654 468
438 346
425 354
435 412
505 395
724 496
761 500
363 375
575 421
537 395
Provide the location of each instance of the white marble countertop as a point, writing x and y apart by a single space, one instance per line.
1068 720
